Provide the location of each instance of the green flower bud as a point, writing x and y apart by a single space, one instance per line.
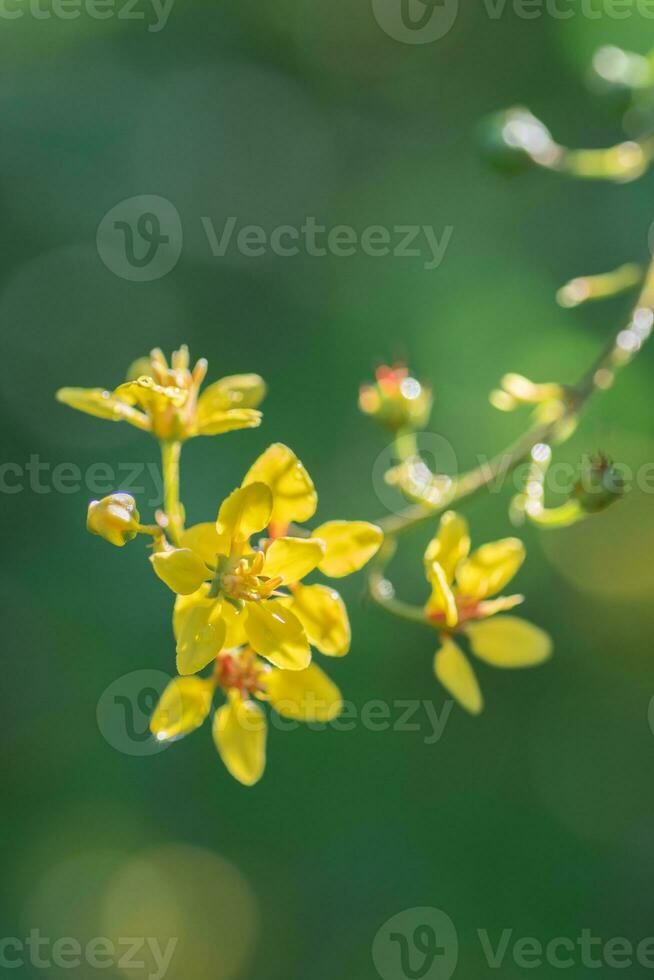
599 485
115 518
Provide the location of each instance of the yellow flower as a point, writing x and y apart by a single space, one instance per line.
395 399
239 726
167 401
461 605
230 593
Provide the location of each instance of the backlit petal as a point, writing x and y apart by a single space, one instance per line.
508 641
293 558
181 569
150 396
442 601
323 614
239 732
235 626
457 676
235 391
183 707
205 541
102 404
490 568
184 604
229 421
304 695
349 544
450 545
246 511
277 634
201 637
294 495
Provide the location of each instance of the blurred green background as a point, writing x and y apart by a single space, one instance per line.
538 816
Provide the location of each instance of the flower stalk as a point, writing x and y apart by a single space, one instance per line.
174 512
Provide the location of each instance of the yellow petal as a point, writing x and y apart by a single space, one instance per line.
442 600
235 626
239 731
141 367
490 607
229 421
246 511
304 695
349 544
205 541
450 546
102 404
235 391
293 558
278 635
457 676
294 495
490 568
184 604
181 569
508 641
201 637
183 707
150 396
323 614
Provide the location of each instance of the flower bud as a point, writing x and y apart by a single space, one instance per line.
599 485
515 140
396 400
115 518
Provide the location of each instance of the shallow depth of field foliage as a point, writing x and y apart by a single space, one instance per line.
536 815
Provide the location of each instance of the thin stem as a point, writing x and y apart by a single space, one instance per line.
170 453
615 355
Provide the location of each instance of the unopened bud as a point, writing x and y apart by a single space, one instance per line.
599 486
115 518
396 400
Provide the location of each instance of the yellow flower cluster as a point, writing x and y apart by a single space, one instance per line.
241 602
244 619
